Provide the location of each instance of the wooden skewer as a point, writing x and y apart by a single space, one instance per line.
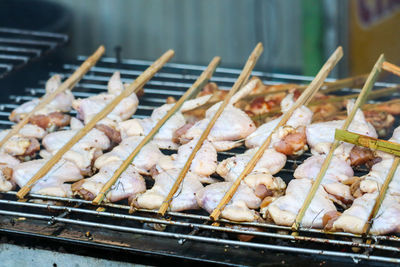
251 62
349 82
391 68
193 90
133 87
360 101
302 100
373 95
67 84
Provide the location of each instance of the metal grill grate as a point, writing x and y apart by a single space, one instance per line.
179 228
18 47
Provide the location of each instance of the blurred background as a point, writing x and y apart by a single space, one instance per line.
298 35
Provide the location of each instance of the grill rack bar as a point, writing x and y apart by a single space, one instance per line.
18 47
95 82
192 237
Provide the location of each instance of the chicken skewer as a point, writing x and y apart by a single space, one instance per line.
166 135
360 100
79 159
24 143
97 140
52 116
69 83
376 189
168 169
239 83
303 99
136 85
357 218
320 137
206 75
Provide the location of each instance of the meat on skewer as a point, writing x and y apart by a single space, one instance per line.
54 183
355 218
231 127
87 108
7 164
83 153
25 144
165 138
52 116
333 187
259 184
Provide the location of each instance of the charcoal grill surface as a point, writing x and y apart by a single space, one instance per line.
185 236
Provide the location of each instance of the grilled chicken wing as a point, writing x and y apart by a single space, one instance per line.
54 182
128 185
289 139
143 162
284 210
240 208
338 172
321 135
7 164
165 137
52 115
87 108
231 127
375 178
82 153
184 198
231 168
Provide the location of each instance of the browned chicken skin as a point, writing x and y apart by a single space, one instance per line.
293 142
49 121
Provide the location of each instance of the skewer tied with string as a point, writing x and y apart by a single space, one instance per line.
305 97
190 93
66 85
359 102
134 87
244 76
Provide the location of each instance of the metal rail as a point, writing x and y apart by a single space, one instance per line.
18 47
173 80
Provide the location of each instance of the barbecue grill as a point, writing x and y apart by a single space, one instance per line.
179 236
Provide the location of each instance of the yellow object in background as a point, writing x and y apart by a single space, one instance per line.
374 29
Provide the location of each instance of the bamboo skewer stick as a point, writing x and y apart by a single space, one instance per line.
251 62
47 98
360 101
391 68
350 82
302 100
368 142
193 90
133 87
